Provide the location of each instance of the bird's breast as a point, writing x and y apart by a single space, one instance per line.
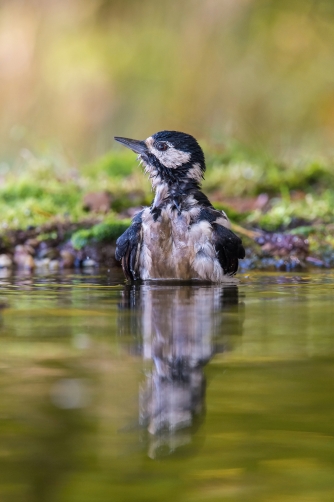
174 246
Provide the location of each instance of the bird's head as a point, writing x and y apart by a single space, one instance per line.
169 157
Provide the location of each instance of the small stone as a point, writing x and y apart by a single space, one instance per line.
67 258
48 252
29 262
21 256
43 263
97 201
5 261
32 243
29 249
54 265
89 263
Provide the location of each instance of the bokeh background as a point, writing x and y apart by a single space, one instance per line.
76 72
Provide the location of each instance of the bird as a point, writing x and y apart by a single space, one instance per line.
181 236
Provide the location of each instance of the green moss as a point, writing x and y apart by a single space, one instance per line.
232 214
20 190
46 188
115 164
81 238
313 208
303 230
321 240
105 231
47 235
243 171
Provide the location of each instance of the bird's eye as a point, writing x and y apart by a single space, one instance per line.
162 147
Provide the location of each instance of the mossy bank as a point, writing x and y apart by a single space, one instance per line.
57 214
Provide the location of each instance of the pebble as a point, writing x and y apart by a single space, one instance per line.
43 263
97 201
67 258
48 252
54 265
22 258
5 261
89 263
28 262
33 243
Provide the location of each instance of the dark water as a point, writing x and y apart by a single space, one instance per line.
167 391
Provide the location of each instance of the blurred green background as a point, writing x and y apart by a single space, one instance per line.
252 80
76 72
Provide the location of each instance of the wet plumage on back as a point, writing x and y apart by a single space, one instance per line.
181 235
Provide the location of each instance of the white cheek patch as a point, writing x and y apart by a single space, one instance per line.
171 158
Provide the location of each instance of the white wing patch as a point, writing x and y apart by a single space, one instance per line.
224 221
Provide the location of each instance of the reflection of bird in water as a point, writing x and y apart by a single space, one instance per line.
181 327
181 236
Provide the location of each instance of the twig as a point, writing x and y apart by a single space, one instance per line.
252 234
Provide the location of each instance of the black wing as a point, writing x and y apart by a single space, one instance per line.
127 247
228 246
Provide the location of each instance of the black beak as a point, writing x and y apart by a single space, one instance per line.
135 145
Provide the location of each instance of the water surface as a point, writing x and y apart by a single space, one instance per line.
161 391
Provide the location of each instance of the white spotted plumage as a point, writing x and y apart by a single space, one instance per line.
181 236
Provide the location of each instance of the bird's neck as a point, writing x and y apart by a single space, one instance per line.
178 194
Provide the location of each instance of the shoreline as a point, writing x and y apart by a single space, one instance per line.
63 244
